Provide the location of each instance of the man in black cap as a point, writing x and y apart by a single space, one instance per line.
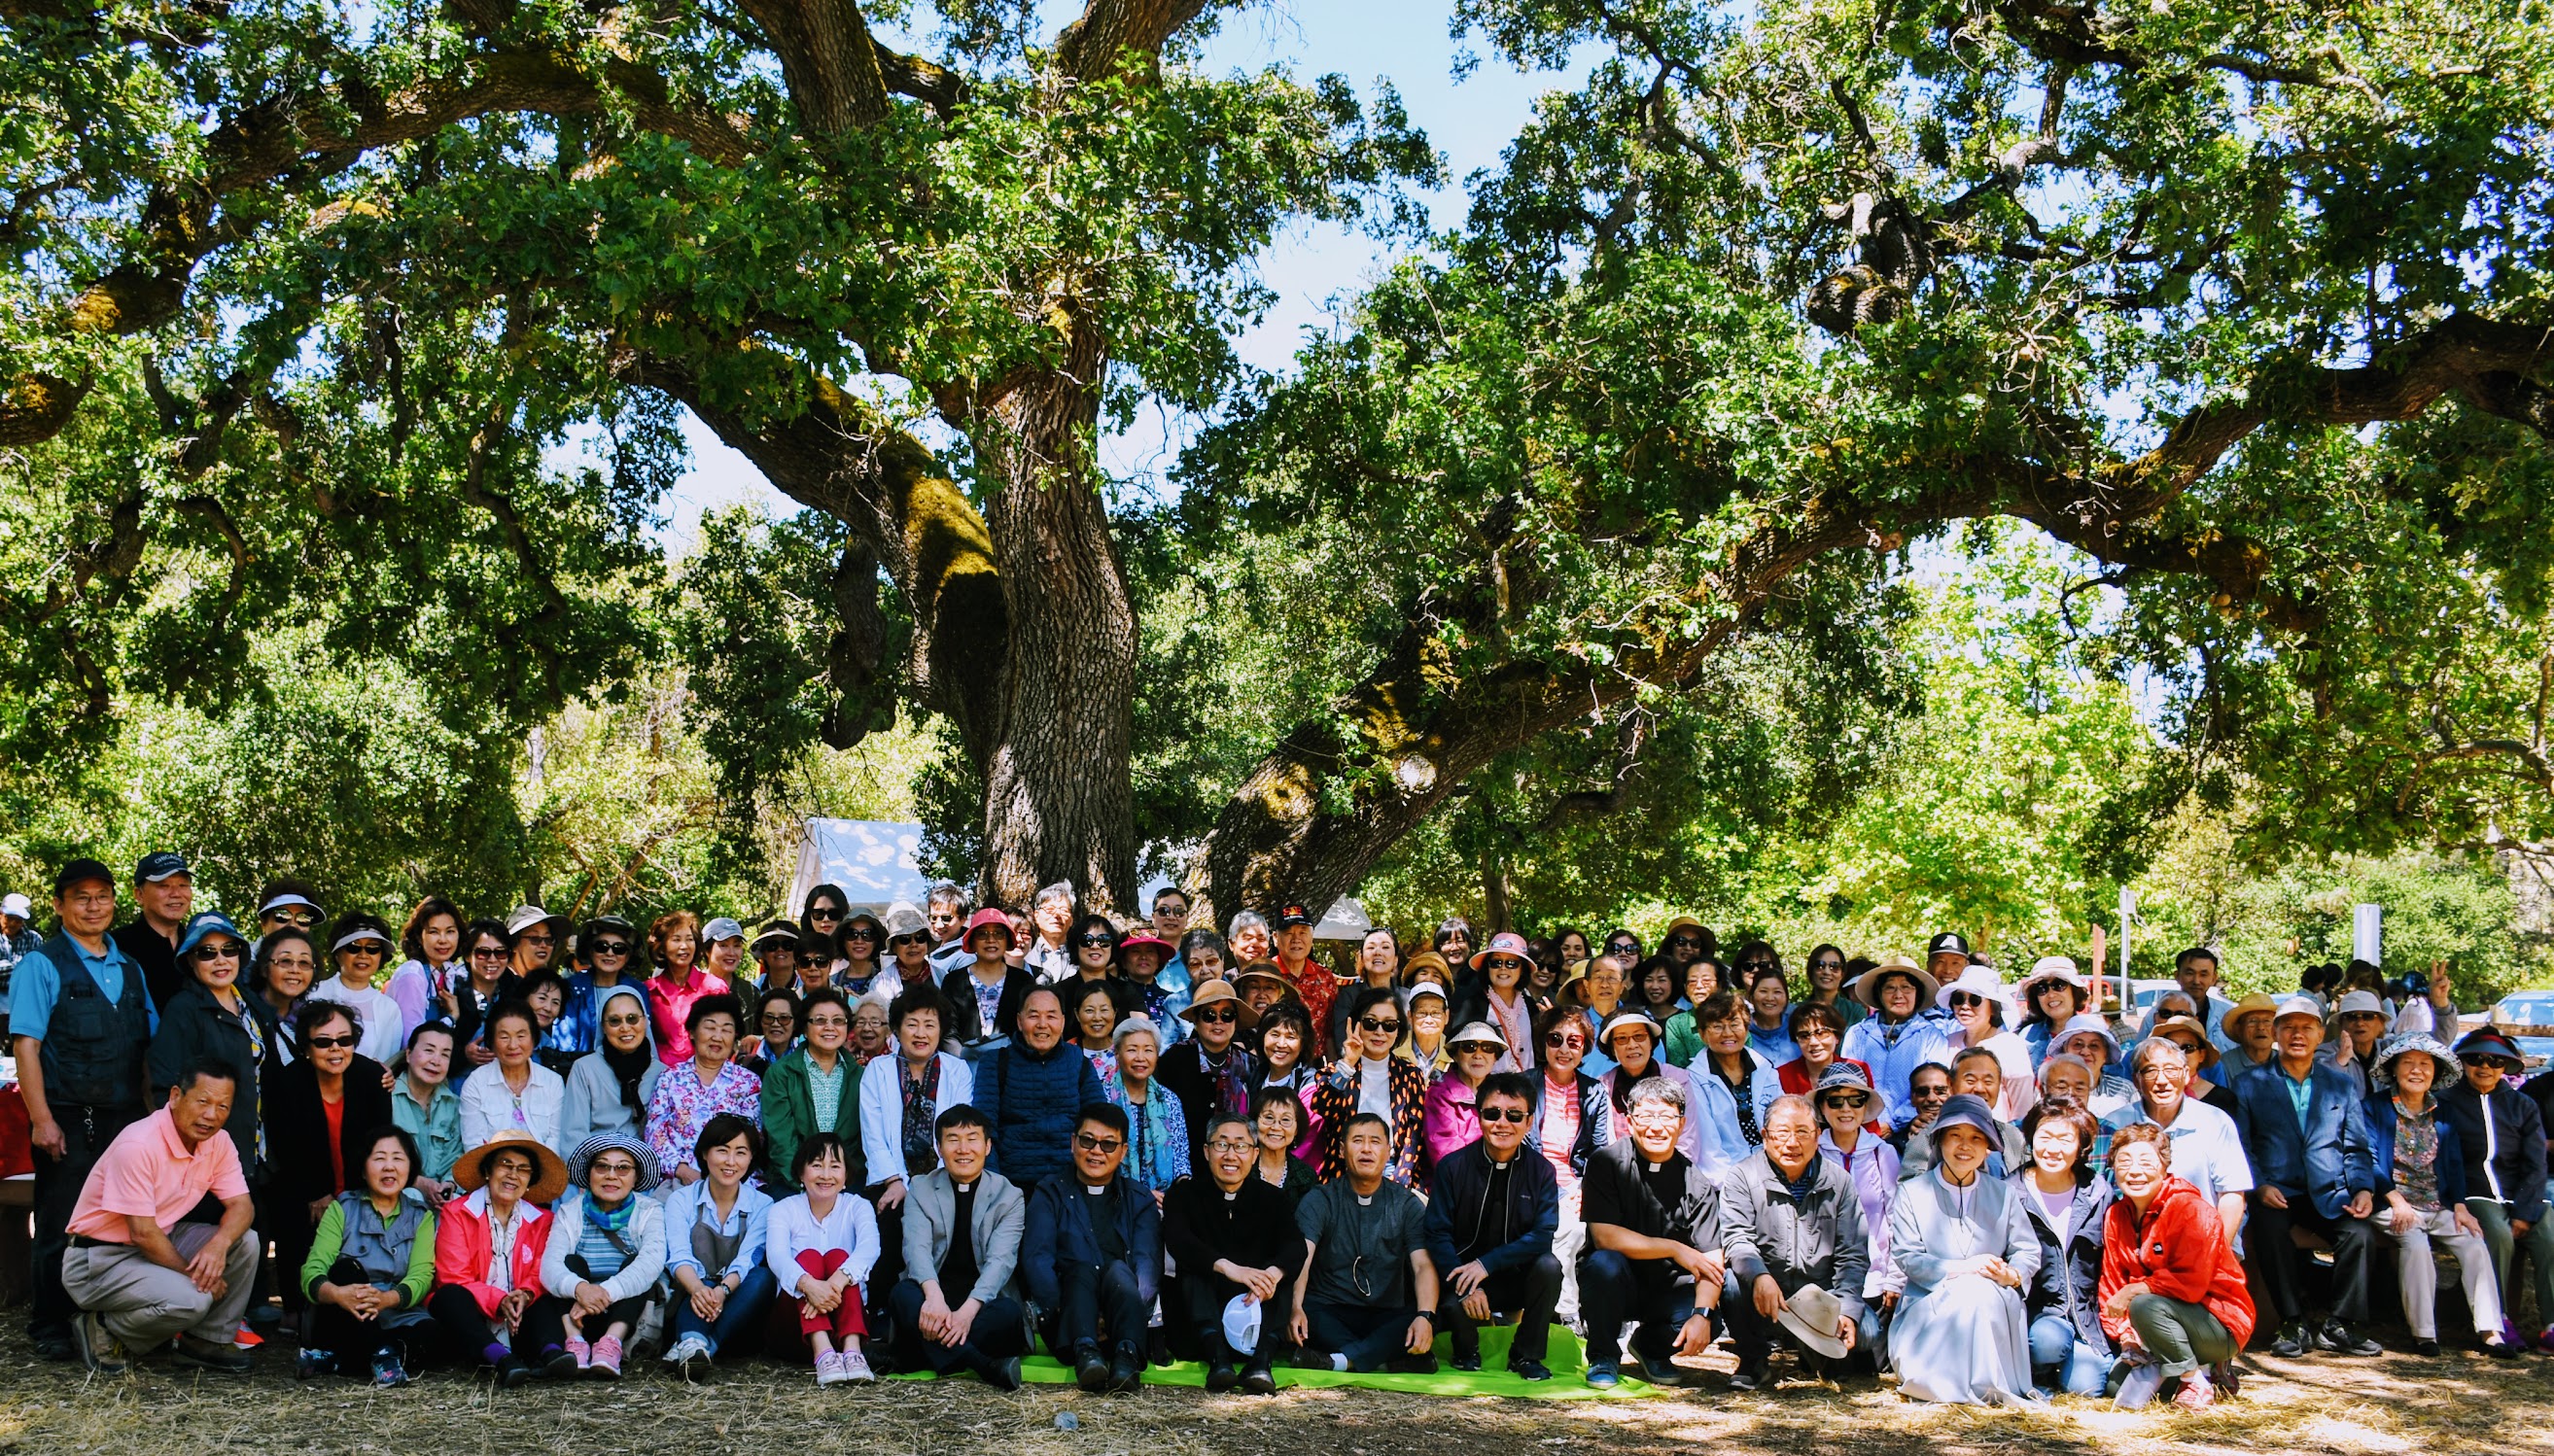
1946 957
80 1018
164 887
1314 985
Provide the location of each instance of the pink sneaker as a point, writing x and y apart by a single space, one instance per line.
607 1359
829 1369
578 1350
2196 1394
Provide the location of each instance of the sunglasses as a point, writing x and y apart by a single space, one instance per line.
1963 999
303 918
608 948
1564 1038
498 953
1377 1023
540 940
897 942
825 911
1848 1099
1090 1144
785 1019
1463 1048
1684 943
1219 1018
1096 940
625 1018
369 947
223 951
860 932
1503 1114
325 1044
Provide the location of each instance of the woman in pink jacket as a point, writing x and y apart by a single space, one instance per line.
488 1248
1451 1124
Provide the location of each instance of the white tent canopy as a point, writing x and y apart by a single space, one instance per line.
875 863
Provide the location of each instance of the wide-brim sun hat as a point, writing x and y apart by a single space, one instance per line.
1263 971
1146 939
550 1170
578 1162
1866 986
1505 942
1840 1076
1216 993
2204 1053
1977 980
993 917
525 916
2082 1022
2049 968
2252 1005
2380 1075
1425 961
1480 1034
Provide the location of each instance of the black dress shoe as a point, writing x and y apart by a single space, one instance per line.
1256 1380
1411 1365
1528 1369
1089 1371
2426 1349
2290 1342
514 1373
2341 1339
1126 1372
1221 1377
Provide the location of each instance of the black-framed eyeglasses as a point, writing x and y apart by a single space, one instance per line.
1090 1144
608 948
1504 1114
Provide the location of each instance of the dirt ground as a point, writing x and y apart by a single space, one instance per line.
2459 1402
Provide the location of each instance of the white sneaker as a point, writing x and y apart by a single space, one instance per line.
687 1348
2137 1389
830 1370
855 1367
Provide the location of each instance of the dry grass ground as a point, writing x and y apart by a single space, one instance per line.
2459 1404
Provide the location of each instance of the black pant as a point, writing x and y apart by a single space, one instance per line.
545 1326
285 1219
1201 1297
2282 1264
356 1341
459 1325
1000 1331
1096 1299
1652 1294
1532 1291
890 1268
87 1131
1367 1334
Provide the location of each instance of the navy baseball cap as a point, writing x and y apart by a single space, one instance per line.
158 865
80 873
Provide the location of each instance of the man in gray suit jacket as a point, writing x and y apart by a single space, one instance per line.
957 1306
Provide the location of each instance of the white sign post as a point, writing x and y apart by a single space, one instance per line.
2366 940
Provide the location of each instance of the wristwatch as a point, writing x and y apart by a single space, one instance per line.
1428 1315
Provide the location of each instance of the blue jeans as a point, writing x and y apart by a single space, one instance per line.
2054 1346
744 1310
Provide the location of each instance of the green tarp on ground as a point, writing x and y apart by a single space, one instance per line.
1493 1380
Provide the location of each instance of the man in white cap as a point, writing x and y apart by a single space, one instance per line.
2306 1131
17 938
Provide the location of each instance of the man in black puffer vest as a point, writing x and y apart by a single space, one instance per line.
80 1018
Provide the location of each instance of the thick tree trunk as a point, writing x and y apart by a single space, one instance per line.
1059 801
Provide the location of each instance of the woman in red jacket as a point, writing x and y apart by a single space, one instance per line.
488 1248
2172 1293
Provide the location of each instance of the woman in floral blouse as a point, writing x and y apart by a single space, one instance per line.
689 1095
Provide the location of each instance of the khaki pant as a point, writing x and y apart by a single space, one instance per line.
2418 1268
143 1304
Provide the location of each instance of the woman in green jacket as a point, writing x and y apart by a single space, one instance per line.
791 1098
372 1260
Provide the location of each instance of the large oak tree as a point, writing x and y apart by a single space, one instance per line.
2248 303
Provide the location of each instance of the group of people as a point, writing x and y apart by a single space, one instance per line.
936 1139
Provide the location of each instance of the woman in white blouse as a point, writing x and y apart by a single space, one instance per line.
514 1092
822 1242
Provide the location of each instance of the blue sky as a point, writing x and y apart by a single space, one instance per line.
1312 268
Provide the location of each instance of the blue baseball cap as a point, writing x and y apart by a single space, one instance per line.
158 865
